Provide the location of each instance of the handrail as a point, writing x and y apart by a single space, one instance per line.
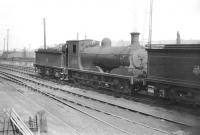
17 121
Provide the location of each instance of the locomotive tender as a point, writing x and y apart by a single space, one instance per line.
174 72
171 72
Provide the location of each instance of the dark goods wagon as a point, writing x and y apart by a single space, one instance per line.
50 62
174 72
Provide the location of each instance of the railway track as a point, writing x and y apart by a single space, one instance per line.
22 68
64 100
30 71
137 98
157 102
57 99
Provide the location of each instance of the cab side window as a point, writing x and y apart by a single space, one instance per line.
74 48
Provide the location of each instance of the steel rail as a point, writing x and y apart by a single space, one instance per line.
101 101
52 97
61 98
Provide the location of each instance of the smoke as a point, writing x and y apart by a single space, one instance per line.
135 23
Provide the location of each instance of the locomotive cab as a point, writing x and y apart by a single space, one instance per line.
74 49
73 54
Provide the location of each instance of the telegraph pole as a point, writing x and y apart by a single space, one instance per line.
150 23
77 36
29 48
178 38
7 40
44 33
4 45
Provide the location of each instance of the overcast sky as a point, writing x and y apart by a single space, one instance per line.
96 19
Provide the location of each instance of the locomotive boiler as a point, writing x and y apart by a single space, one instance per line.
122 60
106 58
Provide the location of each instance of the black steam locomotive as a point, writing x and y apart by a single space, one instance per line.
169 71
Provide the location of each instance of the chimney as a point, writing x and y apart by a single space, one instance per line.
135 38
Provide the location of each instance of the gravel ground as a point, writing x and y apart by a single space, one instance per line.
81 122
61 119
171 114
65 113
166 126
10 98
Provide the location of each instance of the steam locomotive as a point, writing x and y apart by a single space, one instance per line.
168 71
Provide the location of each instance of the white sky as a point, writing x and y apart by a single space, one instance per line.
95 18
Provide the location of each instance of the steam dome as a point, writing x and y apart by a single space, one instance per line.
106 42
